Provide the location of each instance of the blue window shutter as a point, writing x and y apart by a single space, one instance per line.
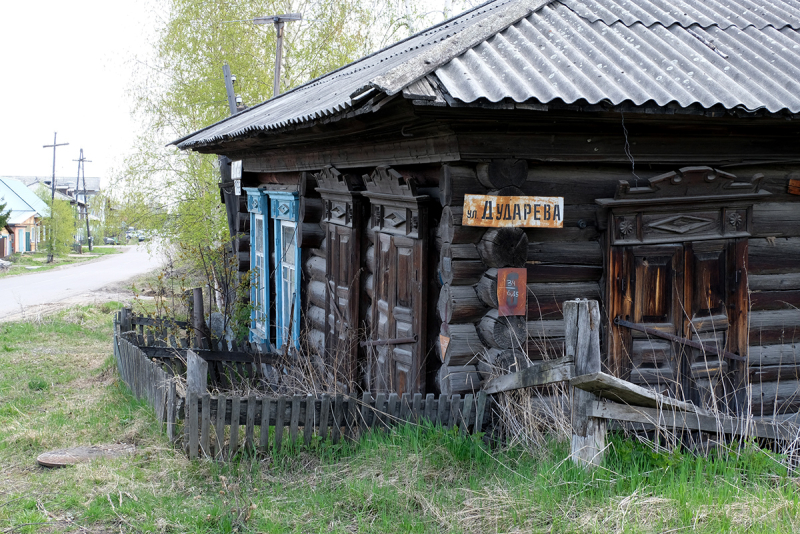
284 208
258 206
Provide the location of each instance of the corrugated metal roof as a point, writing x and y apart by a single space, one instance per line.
558 54
22 202
733 53
705 13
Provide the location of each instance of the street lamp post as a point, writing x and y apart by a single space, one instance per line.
278 21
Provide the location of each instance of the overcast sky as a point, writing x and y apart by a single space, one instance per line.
65 69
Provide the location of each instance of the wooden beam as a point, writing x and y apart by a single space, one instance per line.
670 419
612 388
538 374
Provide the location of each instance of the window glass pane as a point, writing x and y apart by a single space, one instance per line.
288 243
259 234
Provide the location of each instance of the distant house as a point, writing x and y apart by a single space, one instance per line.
76 192
27 211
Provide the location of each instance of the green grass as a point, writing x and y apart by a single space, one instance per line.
415 479
22 262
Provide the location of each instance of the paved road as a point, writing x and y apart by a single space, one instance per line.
20 292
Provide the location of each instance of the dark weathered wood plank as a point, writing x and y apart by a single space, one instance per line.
379 420
205 424
324 416
479 410
294 419
416 408
442 410
263 442
455 411
670 419
466 412
191 423
236 402
308 426
250 422
538 374
336 431
171 411
219 427
279 423
367 413
430 407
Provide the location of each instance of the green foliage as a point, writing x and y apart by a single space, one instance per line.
59 225
180 89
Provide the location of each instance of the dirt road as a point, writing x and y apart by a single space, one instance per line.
35 293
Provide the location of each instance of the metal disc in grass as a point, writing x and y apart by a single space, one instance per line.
77 455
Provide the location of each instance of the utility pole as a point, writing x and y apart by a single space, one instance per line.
53 193
82 167
278 21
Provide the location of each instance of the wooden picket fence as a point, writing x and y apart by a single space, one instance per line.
217 426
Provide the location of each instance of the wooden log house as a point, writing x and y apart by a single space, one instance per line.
672 138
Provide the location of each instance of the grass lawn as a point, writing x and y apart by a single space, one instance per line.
35 262
59 388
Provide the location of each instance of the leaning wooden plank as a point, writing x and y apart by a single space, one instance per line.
668 418
612 388
538 374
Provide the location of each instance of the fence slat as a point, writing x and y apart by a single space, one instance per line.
264 440
393 408
191 423
236 403
379 419
251 421
429 407
205 423
336 431
219 428
405 407
171 411
479 412
366 408
308 426
352 405
455 410
416 412
295 418
279 422
324 416
442 410
466 412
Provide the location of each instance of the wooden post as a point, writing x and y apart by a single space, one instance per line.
196 373
198 319
582 333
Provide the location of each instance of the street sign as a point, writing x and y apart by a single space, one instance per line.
527 212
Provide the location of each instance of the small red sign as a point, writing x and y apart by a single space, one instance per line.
512 291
